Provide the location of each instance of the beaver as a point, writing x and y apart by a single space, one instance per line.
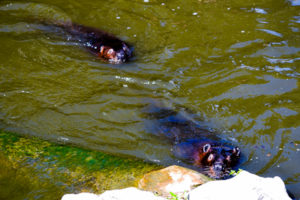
216 159
104 45
193 142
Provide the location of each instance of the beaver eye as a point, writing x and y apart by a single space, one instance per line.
228 158
110 51
206 148
210 158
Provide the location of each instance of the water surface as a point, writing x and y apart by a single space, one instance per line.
234 63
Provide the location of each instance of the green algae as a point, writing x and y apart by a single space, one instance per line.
34 169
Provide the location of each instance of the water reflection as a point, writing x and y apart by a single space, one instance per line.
295 2
272 87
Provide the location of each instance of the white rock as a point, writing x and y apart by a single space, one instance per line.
81 196
244 186
129 193
123 194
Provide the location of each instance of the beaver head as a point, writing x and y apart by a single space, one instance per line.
216 160
115 55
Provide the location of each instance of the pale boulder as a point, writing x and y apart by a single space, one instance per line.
244 186
130 193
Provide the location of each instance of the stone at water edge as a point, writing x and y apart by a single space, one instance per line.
122 194
81 196
244 186
175 179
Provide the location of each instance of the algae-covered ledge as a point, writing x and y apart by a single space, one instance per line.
34 169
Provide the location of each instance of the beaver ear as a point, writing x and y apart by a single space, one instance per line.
206 148
236 151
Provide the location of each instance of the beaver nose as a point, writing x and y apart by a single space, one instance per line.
121 56
218 167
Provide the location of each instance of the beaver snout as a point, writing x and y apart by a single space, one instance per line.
218 167
122 55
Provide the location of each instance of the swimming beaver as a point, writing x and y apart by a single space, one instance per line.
106 46
215 159
193 142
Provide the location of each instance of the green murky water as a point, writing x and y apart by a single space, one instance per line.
236 63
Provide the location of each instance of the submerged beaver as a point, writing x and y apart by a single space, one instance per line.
194 142
106 46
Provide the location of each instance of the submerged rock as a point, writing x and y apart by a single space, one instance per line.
123 194
175 179
244 186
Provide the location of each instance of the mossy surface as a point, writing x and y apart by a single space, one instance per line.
34 169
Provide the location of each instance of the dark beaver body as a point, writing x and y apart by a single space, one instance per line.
106 46
193 142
